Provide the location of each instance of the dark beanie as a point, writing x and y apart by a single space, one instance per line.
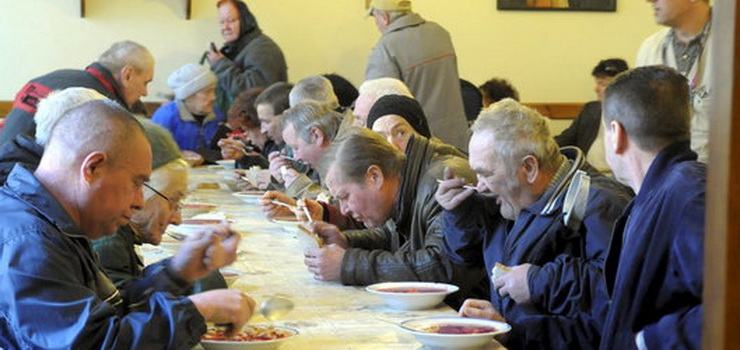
164 147
406 107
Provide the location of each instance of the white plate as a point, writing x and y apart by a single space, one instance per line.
250 197
227 163
249 345
421 329
412 295
231 275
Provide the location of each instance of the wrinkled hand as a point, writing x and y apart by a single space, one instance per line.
231 149
225 306
272 210
313 207
450 192
515 284
325 263
476 308
276 163
202 252
329 233
214 56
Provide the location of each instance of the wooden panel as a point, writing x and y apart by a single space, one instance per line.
557 110
722 240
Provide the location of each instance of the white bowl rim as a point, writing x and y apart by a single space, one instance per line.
278 340
501 327
449 288
235 271
256 193
210 205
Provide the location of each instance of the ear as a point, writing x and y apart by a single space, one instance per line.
318 136
126 73
92 166
531 168
374 177
619 137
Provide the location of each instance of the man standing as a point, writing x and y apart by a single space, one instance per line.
685 46
420 53
53 292
121 74
653 271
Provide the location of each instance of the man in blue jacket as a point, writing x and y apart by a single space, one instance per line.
53 293
654 267
555 248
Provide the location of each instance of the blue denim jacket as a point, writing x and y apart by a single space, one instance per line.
53 294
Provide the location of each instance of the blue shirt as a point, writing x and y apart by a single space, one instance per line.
186 131
53 294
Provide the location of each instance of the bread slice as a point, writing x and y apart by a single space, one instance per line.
308 238
498 270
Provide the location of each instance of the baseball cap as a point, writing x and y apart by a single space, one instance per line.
387 5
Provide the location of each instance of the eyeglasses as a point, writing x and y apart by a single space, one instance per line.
173 206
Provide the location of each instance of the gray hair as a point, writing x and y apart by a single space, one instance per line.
357 150
652 104
57 104
162 177
384 86
314 88
125 53
310 114
518 131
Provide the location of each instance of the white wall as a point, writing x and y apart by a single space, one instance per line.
547 55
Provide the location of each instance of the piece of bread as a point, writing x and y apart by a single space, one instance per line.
308 238
208 186
498 270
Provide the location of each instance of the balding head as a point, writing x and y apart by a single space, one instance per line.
95 164
100 125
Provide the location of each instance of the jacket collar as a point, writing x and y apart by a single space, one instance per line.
418 154
106 78
574 160
186 116
668 157
23 185
410 20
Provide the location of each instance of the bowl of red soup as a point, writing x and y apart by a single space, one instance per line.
454 332
412 295
252 337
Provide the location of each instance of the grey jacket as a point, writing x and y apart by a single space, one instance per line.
259 63
420 53
409 246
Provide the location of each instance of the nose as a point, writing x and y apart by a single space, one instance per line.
138 202
176 217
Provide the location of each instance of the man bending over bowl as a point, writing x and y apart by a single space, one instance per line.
52 291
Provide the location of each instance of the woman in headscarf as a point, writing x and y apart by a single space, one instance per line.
398 118
248 58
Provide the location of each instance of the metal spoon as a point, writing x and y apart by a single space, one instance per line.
275 307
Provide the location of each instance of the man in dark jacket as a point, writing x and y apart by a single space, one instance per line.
52 290
121 74
654 268
554 247
393 195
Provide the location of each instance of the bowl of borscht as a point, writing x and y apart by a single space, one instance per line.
412 295
454 332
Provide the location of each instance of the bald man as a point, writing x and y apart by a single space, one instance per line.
52 291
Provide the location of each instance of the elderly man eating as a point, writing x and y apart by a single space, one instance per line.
52 291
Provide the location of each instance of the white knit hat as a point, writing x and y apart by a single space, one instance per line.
190 79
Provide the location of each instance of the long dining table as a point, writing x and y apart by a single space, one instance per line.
327 315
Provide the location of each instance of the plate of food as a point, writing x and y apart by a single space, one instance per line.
252 337
454 332
412 295
190 226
